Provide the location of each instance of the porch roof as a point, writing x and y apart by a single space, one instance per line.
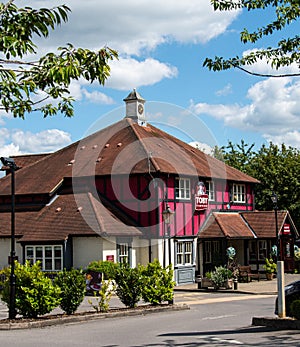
263 222
225 224
247 224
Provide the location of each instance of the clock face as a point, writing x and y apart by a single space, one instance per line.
140 109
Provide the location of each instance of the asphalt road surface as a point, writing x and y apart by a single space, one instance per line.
213 320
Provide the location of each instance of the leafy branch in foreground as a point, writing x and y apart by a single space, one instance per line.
284 54
26 86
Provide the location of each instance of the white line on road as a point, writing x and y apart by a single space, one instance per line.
219 341
224 299
232 342
218 317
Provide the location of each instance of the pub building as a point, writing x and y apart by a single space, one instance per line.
132 192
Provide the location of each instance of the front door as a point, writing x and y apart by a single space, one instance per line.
287 253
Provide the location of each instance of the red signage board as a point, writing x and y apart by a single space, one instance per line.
201 198
201 202
110 258
286 229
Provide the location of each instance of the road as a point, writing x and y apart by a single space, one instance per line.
213 320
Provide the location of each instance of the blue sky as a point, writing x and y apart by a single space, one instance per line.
162 46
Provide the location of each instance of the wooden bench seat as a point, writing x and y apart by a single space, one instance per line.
245 273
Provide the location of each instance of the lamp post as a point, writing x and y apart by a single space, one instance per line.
168 214
275 207
280 263
9 162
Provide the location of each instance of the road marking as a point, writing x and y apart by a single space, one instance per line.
232 342
224 299
218 317
219 341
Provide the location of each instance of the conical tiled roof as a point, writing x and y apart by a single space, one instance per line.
122 148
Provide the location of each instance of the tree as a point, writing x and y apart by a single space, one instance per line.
36 295
238 156
285 53
27 86
276 167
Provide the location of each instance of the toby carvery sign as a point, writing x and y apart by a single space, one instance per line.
201 198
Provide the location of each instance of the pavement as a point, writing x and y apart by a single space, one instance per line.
261 287
85 311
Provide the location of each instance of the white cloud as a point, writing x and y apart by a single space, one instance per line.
9 150
42 142
204 147
126 74
292 138
131 26
130 73
97 97
225 90
274 110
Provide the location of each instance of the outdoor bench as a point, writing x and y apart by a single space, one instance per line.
245 273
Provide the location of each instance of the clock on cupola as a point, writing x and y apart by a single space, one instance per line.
135 107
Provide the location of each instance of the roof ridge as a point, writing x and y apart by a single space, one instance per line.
150 158
95 210
248 225
220 224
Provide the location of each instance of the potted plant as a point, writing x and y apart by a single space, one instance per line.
206 281
222 277
270 268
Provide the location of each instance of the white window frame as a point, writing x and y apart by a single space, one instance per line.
184 252
183 188
44 249
124 252
239 192
210 190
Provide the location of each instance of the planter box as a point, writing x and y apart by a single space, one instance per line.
208 283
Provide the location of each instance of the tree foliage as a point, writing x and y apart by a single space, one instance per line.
276 167
287 50
36 295
158 283
73 287
31 85
129 283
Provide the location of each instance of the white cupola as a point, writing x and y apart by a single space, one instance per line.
135 107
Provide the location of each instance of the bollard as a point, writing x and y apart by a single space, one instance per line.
235 284
199 281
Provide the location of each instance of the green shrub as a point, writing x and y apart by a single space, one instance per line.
208 275
295 309
270 266
158 283
103 296
107 268
129 283
35 293
72 286
220 276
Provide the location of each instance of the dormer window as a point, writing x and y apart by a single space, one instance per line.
239 193
210 190
183 188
